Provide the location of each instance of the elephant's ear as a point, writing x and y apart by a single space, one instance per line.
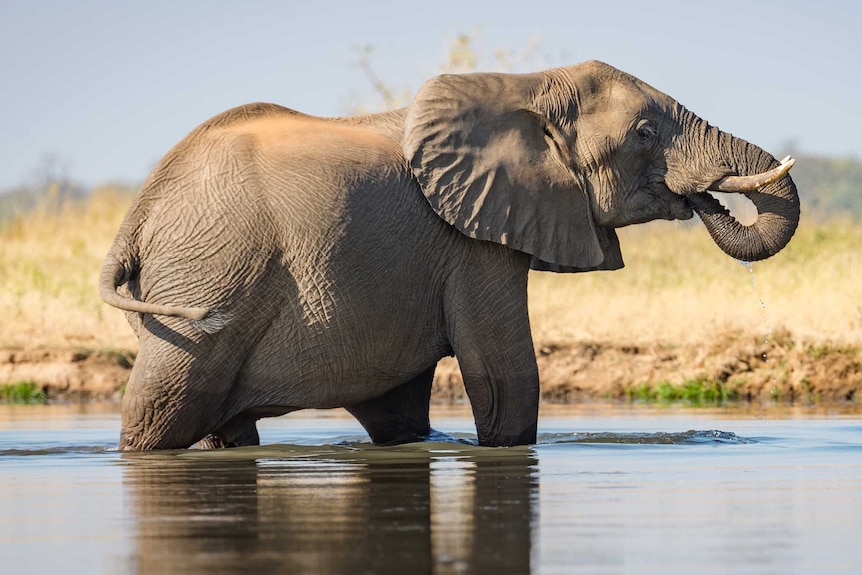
497 167
610 246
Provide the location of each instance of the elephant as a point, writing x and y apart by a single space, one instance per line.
275 261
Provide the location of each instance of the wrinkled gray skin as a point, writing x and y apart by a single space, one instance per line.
275 261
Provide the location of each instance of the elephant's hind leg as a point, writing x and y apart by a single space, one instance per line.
177 389
241 431
399 415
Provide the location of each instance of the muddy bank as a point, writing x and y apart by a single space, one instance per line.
731 367
69 375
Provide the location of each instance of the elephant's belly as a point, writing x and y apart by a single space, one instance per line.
334 369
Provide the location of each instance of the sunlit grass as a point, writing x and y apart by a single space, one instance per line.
49 267
677 286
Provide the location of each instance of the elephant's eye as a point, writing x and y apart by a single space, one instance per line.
646 130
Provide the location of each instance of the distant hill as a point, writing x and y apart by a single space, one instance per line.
828 186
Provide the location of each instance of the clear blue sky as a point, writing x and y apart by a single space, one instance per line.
110 86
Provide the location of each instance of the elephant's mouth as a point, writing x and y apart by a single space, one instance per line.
673 206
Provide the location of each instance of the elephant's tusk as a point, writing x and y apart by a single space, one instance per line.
755 182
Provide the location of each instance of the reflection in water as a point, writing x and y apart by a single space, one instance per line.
628 493
414 510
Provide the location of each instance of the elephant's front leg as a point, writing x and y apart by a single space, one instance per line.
504 398
490 332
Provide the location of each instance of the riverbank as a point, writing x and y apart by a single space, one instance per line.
730 367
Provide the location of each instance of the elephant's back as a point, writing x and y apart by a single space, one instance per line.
261 141
335 189
244 114
327 153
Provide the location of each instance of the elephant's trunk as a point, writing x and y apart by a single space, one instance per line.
775 198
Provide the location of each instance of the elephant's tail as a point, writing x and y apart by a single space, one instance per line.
115 274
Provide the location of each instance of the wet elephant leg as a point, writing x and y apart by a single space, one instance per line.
401 414
177 388
240 431
489 330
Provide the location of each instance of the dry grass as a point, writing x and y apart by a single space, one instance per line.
49 268
677 287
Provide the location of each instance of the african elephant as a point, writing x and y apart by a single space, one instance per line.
275 261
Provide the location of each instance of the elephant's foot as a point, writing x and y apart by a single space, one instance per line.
401 414
211 442
240 431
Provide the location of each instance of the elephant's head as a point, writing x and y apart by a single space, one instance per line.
549 163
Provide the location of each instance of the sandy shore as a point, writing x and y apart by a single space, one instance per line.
745 368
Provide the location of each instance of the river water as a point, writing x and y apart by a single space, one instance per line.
606 490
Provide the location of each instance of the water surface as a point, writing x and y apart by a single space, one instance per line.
606 490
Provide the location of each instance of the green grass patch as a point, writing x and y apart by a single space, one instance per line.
23 392
699 391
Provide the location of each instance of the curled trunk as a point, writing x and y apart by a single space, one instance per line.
777 205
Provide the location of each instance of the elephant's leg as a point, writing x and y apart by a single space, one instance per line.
240 431
489 329
399 415
505 403
211 442
177 389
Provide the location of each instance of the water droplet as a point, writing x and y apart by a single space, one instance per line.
750 267
764 318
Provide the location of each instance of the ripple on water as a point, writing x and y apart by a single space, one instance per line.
437 444
60 450
691 437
